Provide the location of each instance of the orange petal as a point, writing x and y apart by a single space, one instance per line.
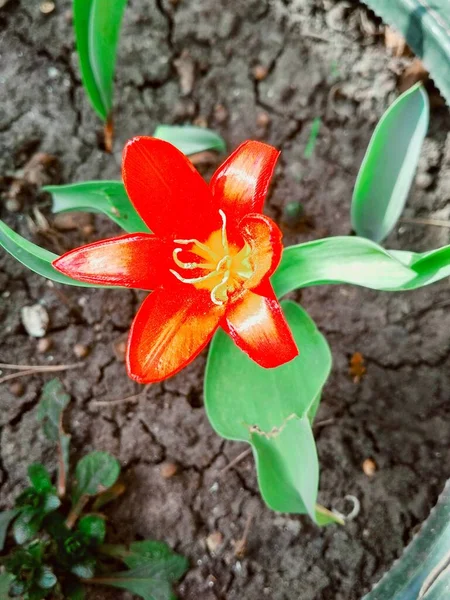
137 260
264 239
240 184
170 329
258 327
167 191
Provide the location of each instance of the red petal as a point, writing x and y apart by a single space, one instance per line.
170 329
257 325
167 191
264 239
240 184
137 260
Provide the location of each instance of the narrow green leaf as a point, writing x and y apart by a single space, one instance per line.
269 409
5 519
155 568
440 589
34 257
425 25
313 135
39 477
388 168
54 400
108 197
190 139
423 561
360 262
97 28
95 473
84 570
94 527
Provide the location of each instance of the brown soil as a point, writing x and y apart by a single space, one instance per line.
321 58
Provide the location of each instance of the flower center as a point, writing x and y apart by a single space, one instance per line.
225 266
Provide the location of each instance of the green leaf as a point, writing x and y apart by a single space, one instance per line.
52 502
358 261
74 590
5 582
269 409
425 26
5 519
424 561
440 588
26 525
150 551
39 477
47 579
389 166
94 527
97 27
313 135
108 197
54 400
154 567
84 570
34 257
95 473
190 139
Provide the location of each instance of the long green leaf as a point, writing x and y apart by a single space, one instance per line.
440 589
108 197
269 409
388 168
34 257
97 28
53 401
358 261
428 554
190 139
425 24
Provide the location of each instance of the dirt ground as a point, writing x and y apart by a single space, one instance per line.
194 61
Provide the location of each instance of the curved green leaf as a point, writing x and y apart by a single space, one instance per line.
5 519
417 574
190 139
269 408
34 257
388 168
95 473
426 27
108 197
97 28
358 261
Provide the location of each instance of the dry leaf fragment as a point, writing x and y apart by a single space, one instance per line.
411 75
357 368
395 42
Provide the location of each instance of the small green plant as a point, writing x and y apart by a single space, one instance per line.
59 531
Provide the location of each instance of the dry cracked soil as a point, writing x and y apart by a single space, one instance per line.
261 69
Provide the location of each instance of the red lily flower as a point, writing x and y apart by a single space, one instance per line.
208 259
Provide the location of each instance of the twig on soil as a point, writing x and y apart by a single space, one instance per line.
240 547
235 461
133 398
434 222
323 423
32 369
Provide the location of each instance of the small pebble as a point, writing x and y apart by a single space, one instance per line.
214 541
44 345
35 319
369 467
17 389
47 7
424 180
220 113
260 72
262 119
168 470
80 350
